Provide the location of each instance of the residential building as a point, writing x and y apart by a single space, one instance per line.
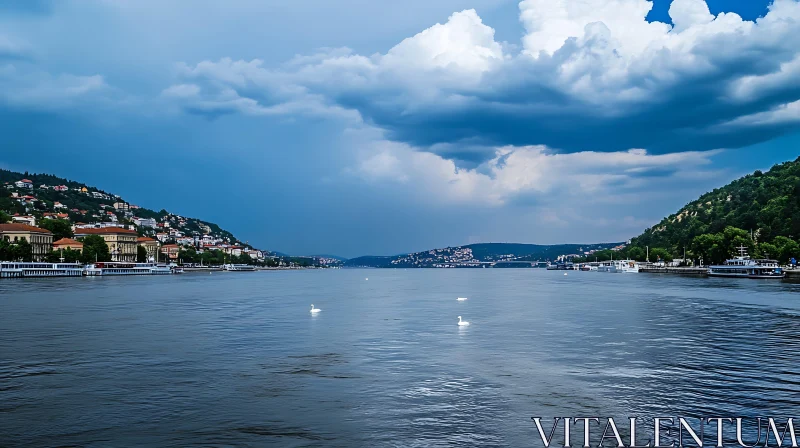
41 240
59 205
121 242
150 245
145 222
171 251
186 241
121 206
96 225
68 243
24 183
29 220
60 188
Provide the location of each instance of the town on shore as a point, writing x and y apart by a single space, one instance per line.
37 225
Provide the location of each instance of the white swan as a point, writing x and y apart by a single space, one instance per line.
462 323
314 310
461 299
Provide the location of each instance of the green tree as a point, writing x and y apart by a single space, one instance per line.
636 253
767 250
61 228
95 249
70 256
709 247
188 255
19 250
787 249
4 217
141 254
735 238
659 254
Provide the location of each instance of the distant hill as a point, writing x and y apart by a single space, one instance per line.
475 254
760 211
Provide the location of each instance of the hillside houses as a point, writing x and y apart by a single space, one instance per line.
90 210
24 183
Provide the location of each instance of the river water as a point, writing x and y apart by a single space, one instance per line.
236 359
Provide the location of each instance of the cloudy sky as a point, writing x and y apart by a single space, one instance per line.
354 127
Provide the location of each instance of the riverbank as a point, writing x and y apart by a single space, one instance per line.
696 272
791 274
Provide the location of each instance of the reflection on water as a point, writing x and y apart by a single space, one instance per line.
237 359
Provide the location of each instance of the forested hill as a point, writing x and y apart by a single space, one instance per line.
760 211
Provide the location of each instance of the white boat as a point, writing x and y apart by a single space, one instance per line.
10 269
619 266
122 268
238 267
745 267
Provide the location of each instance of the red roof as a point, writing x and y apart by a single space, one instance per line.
104 231
27 181
22 228
143 239
67 242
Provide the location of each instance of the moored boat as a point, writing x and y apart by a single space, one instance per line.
239 267
619 266
11 269
745 267
121 268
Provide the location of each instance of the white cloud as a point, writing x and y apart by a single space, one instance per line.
13 49
532 174
40 90
591 75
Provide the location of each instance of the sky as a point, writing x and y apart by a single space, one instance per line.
355 127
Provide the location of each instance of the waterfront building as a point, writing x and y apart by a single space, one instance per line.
171 250
121 242
68 243
41 240
150 245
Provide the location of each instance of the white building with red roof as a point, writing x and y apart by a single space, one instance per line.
24 183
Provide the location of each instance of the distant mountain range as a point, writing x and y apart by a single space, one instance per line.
475 255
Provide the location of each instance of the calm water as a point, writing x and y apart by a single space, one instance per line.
236 359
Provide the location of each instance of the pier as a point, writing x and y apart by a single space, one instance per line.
696 272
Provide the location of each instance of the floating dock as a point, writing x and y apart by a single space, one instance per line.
696 272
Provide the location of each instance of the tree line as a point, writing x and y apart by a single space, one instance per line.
707 248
